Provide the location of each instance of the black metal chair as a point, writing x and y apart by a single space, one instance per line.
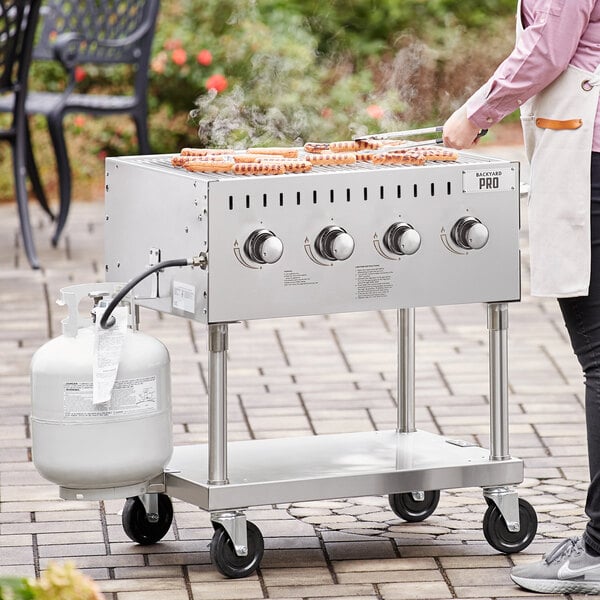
18 20
84 32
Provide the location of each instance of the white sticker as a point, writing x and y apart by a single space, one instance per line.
128 397
107 353
497 179
184 297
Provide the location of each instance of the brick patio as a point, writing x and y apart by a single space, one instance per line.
291 377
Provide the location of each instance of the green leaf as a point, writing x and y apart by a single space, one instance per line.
15 588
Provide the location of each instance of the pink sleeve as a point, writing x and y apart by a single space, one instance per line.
542 52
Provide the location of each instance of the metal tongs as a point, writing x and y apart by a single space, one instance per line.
391 135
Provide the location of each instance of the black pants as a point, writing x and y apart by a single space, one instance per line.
582 318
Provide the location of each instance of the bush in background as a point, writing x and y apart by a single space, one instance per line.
283 72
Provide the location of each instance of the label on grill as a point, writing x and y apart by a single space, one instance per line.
372 281
494 179
293 278
184 297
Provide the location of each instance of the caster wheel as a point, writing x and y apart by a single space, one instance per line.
411 510
499 537
223 555
136 525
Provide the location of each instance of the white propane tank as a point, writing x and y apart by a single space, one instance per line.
82 445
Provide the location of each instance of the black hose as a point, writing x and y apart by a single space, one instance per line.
104 321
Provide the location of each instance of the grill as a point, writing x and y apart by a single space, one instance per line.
154 209
337 239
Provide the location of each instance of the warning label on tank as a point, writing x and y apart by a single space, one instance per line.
128 397
372 281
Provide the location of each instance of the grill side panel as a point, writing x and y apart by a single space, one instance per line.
150 208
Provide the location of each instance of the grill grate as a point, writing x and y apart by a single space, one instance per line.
163 162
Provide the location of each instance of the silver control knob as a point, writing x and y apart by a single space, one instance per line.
470 233
402 238
333 243
264 247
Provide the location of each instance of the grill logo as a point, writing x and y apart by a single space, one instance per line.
492 180
489 181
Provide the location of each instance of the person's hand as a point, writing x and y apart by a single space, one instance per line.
459 132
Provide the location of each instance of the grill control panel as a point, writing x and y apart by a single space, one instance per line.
337 239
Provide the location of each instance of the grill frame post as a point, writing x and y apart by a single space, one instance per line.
497 322
217 403
406 370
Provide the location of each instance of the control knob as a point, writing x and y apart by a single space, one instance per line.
402 238
334 243
264 247
470 233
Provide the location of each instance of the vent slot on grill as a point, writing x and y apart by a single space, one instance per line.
379 192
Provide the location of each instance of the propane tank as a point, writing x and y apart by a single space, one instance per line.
81 443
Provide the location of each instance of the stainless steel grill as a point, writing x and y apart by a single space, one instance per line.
156 209
336 239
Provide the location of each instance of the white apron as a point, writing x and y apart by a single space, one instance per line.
558 128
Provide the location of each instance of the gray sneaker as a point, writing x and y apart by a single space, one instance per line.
567 569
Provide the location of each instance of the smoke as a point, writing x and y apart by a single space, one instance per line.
230 120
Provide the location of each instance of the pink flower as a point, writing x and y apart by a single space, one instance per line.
79 74
79 121
179 56
204 58
375 111
327 113
216 82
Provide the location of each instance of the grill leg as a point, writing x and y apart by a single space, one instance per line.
498 373
504 497
406 370
217 403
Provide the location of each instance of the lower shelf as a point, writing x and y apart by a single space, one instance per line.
334 466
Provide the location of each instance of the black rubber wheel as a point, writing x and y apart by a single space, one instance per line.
411 510
499 537
136 525
223 556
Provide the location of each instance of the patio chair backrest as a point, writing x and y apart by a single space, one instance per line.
99 23
15 41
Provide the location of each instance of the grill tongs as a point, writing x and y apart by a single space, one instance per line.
392 135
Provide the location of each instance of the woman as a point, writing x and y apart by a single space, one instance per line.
553 75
